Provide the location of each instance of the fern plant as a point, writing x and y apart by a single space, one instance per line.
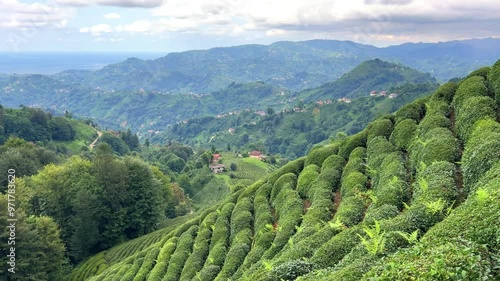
375 243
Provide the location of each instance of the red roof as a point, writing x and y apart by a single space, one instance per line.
255 153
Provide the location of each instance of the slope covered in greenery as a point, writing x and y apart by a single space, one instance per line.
414 196
293 132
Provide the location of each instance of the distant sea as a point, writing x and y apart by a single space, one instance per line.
52 62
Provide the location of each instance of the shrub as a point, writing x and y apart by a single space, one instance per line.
470 87
181 254
414 110
349 144
147 265
355 164
306 178
285 181
438 144
351 210
481 152
208 273
291 270
494 81
379 128
483 72
336 248
234 259
358 152
333 162
385 211
461 260
473 110
432 121
319 154
445 93
292 167
403 133
353 183
377 149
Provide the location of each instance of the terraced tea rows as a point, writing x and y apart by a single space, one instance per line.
414 195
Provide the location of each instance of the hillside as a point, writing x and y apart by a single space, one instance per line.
372 75
148 95
414 196
293 131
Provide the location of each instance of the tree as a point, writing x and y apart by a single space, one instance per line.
61 129
146 142
233 166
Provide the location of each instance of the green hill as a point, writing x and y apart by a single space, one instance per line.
292 131
372 75
414 196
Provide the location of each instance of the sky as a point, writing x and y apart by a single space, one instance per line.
179 25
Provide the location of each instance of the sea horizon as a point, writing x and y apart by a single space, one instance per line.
56 62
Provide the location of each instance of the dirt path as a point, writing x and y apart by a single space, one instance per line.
99 134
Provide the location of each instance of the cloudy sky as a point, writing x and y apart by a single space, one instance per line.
176 25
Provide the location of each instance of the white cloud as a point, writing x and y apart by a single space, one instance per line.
97 29
74 3
15 14
131 3
112 16
135 27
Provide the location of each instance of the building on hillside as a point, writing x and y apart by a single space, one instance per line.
257 155
231 130
373 93
393 95
216 157
346 100
219 168
383 93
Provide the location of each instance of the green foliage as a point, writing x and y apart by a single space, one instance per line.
494 81
473 110
291 270
350 211
181 254
483 72
319 154
349 144
403 133
414 110
353 183
292 167
445 93
437 144
482 151
305 180
474 86
450 261
380 128
116 143
375 241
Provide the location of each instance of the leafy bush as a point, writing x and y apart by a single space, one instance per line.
461 260
376 151
285 181
319 154
482 151
292 167
473 110
483 72
336 248
494 81
385 211
306 178
353 183
414 110
355 164
438 144
403 133
349 144
208 273
432 121
445 93
351 210
291 270
379 128
470 87
181 254
334 162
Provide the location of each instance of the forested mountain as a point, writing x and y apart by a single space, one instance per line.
344 105
413 196
148 95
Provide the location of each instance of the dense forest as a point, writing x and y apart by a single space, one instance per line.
413 196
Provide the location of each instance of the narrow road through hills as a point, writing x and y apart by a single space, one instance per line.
99 134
